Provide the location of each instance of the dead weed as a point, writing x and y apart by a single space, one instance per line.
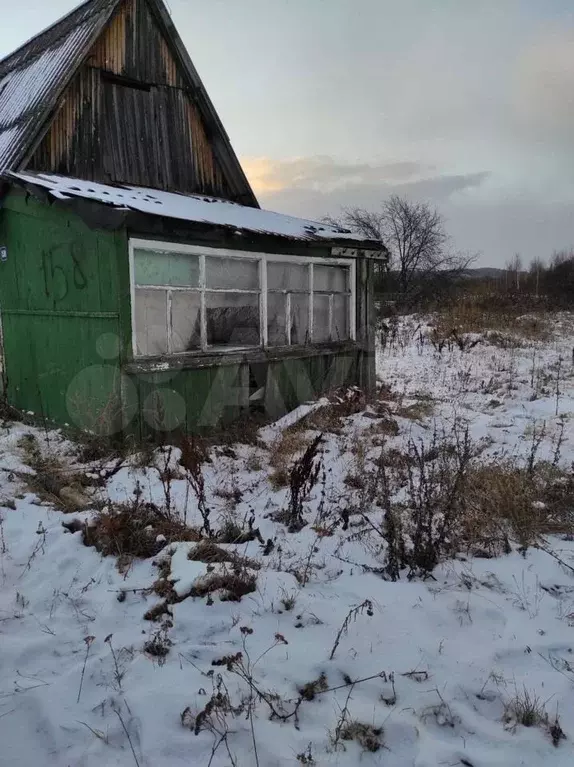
367 736
232 585
140 532
418 411
210 553
53 481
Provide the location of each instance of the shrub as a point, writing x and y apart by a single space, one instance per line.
451 501
303 476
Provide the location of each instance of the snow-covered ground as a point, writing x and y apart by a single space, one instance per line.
428 668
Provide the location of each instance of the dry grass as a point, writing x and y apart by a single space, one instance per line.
210 553
54 482
240 431
325 419
368 737
503 340
231 494
504 501
140 532
254 462
231 531
287 447
471 315
453 500
384 427
310 690
525 709
418 411
158 646
329 419
232 585
157 612
355 481
386 394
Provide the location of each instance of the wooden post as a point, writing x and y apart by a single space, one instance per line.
366 325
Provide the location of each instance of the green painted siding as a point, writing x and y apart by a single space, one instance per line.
196 400
191 400
60 302
65 307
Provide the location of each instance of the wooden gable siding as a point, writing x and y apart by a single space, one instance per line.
133 46
128 116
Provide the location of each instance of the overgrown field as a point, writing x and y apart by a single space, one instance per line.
379 583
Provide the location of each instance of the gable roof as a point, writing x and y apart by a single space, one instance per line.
200 209
34 77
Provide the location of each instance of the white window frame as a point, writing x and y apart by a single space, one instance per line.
263 259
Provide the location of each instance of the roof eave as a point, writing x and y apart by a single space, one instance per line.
234 233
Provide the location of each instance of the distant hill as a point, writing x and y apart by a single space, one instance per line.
484 271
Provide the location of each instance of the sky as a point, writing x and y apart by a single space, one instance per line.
466 104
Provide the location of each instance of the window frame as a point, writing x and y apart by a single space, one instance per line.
262 259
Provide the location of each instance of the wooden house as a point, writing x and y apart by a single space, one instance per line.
142 288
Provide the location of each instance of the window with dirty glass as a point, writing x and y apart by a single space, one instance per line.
288 291
232 302
185 302
331 303
166 302
307 303
193 301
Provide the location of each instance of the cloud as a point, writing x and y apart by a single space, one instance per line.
323 174
324 177
494 228
544 89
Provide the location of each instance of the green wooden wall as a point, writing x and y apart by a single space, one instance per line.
65 308
198 399
61 309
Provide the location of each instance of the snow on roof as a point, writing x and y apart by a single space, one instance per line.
196 208
31 78
34 77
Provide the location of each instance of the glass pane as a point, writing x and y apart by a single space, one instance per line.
330 278
160 268
185 321
299 318
276 319
151 321
287 276
321 331
232 319
232 273
341 318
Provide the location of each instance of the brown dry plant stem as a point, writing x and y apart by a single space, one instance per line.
303 477
88 640
192 457
352 616
128 736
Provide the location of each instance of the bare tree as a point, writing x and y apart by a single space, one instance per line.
415 235
536 268
517 269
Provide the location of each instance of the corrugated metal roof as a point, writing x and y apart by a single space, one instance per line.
196 208
34 76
